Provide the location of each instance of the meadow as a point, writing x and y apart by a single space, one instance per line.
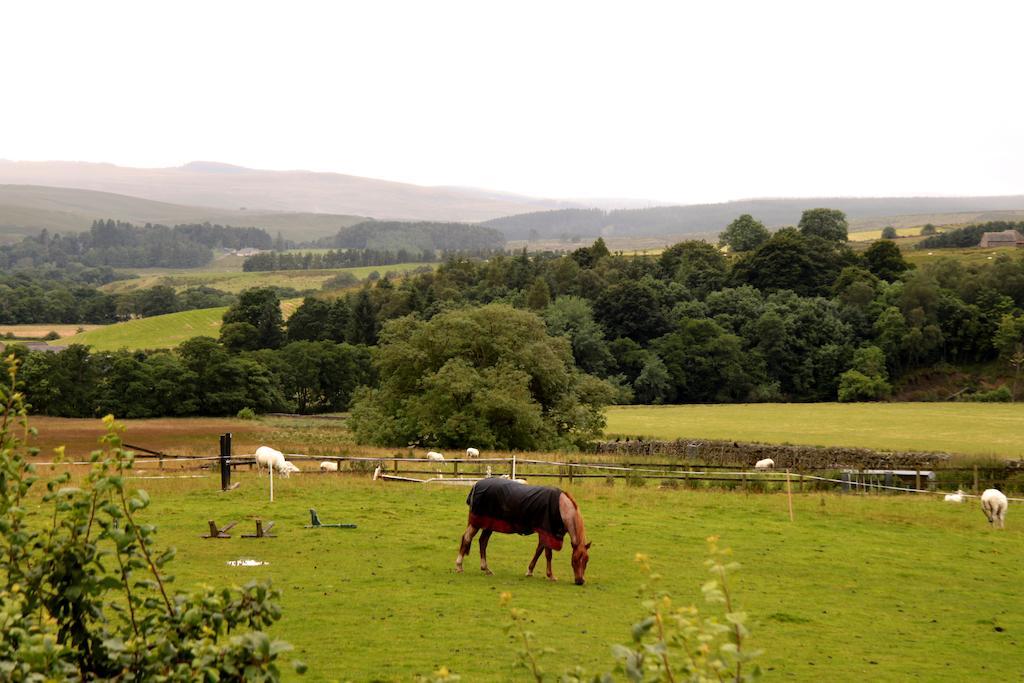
40 330
157 332
160 331
970 428
882 587
235 281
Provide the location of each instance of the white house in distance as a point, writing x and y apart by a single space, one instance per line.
1006 238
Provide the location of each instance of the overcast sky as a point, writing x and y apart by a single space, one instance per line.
687 102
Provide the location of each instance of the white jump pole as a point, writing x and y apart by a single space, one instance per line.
271 482
513 465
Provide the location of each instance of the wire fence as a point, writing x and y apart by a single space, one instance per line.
937 481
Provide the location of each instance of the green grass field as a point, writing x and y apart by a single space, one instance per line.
974 428
158 332
235 282
973 255
877 588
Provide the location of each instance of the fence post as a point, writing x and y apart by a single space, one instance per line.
917 479
975 480
225 461
789 495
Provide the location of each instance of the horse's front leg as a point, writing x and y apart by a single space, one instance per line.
484 537
536 556
465 544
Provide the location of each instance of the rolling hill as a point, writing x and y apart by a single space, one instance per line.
27 209
224 186
160 331
707 220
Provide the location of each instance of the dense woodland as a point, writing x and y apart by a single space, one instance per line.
477 347
123 245
421 237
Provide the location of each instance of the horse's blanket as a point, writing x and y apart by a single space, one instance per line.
513 508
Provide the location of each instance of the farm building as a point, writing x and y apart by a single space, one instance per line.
1006 238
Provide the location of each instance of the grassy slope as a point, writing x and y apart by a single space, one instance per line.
158 332
235 281
855 588
26 209
975 428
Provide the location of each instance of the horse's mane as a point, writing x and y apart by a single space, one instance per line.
581 532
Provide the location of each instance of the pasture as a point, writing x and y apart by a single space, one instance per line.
968 256
40 330
884 587
157 332
887 587
236 281
160 331
971 428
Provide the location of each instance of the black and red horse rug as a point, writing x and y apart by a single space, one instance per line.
509 507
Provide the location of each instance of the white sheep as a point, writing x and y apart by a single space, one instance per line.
328 466
472 453
286 468
434 455
268 457
766 464
994 504
957 497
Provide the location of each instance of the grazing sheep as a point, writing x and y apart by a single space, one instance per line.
766 464
472 453
268 457
328 466
434 455
286 468
957 497
994 504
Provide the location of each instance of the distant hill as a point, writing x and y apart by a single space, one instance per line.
223 186
27 209
707 220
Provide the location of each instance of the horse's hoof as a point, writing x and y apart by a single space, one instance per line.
551 578
487 571
458 570
529 573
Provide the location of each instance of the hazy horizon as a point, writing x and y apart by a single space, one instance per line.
656 103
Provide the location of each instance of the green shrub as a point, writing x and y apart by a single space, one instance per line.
246 414
999 395
86 596
51 336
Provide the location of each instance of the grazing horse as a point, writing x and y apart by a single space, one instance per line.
512 508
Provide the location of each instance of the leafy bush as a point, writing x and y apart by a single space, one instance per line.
51 336
999 395
86 596
246 414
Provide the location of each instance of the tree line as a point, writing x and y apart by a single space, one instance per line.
352 258
27 298
124 245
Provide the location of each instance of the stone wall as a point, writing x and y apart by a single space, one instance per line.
737 454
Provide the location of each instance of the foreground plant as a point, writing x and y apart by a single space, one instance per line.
674 643
86 596
670 643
